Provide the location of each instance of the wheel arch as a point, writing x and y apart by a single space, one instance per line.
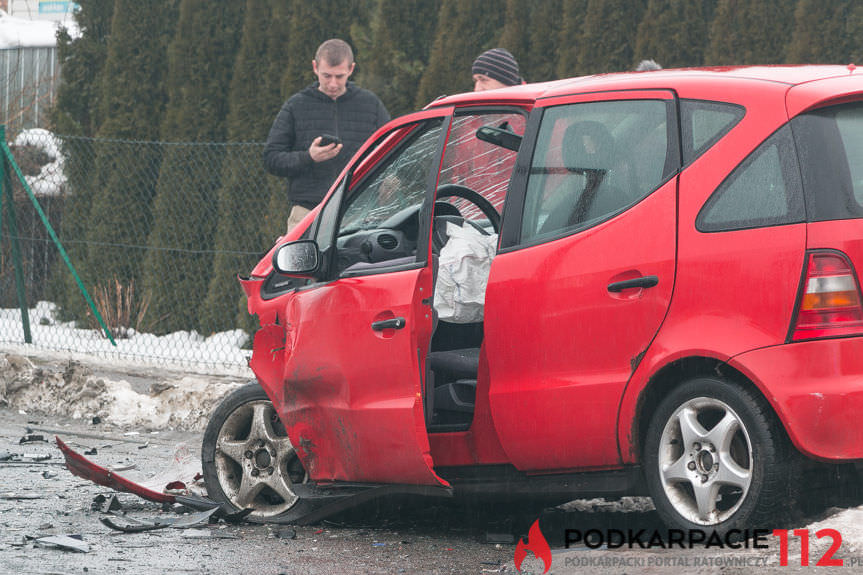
675 374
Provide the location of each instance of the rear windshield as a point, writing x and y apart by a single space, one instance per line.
830 146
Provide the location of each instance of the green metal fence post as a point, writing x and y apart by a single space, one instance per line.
12 223
7 153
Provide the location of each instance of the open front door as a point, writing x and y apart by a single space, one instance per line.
352 398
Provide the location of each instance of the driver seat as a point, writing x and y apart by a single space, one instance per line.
451 388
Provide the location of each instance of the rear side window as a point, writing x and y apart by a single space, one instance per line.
593 160
830 144
704 123
764 190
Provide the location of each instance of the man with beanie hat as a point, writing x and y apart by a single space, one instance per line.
495 68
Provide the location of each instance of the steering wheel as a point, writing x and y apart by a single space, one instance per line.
439 236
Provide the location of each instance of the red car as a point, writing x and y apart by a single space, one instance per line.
618 284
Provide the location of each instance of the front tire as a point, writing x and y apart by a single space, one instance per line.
716 458
248 460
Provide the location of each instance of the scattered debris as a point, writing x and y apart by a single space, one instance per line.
20 496
33 439
7 458
175 487
206 533
126 467
132 525
89 435
287 533
49 474
105 504
91 451
38 456
64 542
86 469
96 420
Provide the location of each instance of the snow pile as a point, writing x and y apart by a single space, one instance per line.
71 390
22 33
849 524
51 179
180 348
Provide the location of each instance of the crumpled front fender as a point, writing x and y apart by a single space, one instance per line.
269 351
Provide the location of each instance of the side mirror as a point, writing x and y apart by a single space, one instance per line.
300 258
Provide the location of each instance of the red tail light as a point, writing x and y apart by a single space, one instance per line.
829 303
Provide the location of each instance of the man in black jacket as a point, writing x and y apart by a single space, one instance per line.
332 106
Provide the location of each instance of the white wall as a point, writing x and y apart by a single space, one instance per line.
41 9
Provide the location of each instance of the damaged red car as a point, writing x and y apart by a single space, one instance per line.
638 283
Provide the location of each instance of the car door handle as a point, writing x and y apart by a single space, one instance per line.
642 282
394 323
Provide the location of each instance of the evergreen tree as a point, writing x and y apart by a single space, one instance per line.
273 221
464 29
570 38
76 108
541 60
201 58
532 32
674 32
515 35
311 24
132 103
242 197
826 32
754 32
608 42
393 64
76 113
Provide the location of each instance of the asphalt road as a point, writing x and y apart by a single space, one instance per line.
42 498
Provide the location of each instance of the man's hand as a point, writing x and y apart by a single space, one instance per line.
321 153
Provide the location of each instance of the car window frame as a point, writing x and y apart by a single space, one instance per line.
790 175
511 224
482 109
380 157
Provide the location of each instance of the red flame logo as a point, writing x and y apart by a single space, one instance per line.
537 544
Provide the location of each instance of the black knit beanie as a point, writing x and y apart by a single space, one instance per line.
499 65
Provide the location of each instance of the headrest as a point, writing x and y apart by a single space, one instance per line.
588 145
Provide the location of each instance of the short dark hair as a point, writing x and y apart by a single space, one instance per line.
334 52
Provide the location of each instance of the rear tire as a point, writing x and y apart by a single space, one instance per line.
248 460
715 458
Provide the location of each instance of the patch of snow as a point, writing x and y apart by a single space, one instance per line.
221 352
849 524
71 389
51 178
23 33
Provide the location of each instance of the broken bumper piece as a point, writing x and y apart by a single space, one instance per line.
327 500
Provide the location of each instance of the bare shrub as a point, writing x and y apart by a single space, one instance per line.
122 310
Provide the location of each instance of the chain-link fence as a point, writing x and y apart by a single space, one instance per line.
157 233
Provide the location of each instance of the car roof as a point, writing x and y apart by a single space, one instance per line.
731 76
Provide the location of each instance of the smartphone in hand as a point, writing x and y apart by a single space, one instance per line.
327 139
